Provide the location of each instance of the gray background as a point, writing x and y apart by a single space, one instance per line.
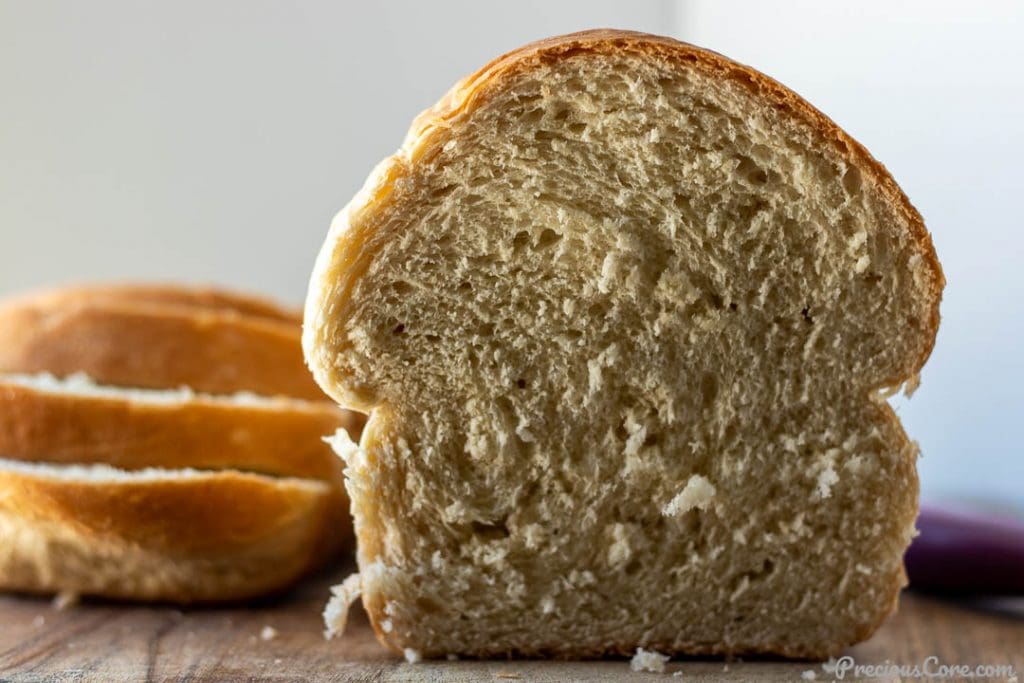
213 141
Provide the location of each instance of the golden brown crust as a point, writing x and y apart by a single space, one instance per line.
353 241
148 293
203 537
159 346
283 439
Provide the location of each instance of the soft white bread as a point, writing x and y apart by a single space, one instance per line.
75 421
175 535
624 313
153 337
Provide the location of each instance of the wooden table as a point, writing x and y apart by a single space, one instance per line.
110 642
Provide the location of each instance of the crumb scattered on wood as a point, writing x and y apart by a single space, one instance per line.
648 660
65 599
268 633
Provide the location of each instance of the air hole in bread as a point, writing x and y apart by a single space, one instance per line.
490 531
530 117
548 238
442 191
852 181
708 389
748 169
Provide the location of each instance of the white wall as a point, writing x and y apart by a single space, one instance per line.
935 89
213 141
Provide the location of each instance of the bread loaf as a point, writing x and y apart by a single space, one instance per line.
624 314
172 480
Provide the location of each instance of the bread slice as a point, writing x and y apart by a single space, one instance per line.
212 342
75 421
159 294
625 313
156 534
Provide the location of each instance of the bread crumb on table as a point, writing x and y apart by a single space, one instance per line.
268 633
65 599
648 660
413 656
808 675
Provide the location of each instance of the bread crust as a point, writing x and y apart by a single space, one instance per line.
210 536
129 340
162 294
354 240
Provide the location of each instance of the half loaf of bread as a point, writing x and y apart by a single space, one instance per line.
625 314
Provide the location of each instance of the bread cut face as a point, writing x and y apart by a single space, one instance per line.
157 534
624 314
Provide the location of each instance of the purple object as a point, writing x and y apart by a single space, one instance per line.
967 552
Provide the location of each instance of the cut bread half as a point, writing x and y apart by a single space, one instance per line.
75 421
624 312
156 338
156 534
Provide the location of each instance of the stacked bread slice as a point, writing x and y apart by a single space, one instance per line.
162 443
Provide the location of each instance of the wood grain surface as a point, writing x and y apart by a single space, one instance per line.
103 641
